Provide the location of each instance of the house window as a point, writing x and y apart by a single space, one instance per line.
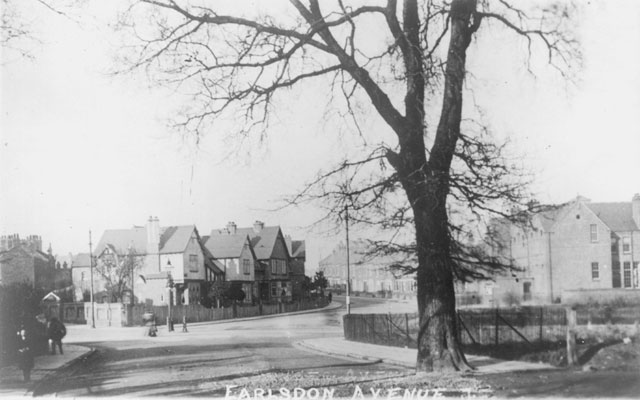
595 271
193 263
594 233
274 289
246 266
627 274
526 291
626 244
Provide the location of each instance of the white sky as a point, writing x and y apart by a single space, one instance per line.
81 150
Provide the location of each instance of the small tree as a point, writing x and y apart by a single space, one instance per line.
235 292
118 272
320 282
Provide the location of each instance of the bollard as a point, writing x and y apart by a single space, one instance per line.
184 324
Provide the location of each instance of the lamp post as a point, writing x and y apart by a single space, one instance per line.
346 212
93 310
170 287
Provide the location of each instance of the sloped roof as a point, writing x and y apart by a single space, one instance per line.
298 249
224 245
173 239
25 249
262 242
617 216
81 260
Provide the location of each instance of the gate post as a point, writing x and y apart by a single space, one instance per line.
572 354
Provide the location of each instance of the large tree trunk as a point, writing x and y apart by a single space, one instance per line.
427 186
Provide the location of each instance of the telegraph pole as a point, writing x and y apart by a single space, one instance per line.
93 310
346 213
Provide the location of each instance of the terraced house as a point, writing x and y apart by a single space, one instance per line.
579 251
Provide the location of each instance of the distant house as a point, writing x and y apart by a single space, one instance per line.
272 273
23 261
164 256
81 276
297 250
367 274
234 255
578 251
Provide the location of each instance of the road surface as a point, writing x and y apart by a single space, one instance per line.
211 357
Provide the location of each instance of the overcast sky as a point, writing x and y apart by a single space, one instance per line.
81 150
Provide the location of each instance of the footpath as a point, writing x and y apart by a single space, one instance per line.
12 385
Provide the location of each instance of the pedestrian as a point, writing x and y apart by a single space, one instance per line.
330 297
25 354
56 331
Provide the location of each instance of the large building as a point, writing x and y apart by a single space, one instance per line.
23 261
367 274
267 264
575 252
169 263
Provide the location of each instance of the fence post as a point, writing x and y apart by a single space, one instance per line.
541 321
497 340
406 327
572 354
388 329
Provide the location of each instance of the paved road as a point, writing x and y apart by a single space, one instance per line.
211 356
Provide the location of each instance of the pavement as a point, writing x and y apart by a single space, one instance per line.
12 385
405 357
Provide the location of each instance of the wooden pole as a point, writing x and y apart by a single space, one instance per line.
572 354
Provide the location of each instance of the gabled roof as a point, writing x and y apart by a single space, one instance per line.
173 239
224 245
298 249
617 216
262 242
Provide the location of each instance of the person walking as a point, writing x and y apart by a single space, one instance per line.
25 354
56 331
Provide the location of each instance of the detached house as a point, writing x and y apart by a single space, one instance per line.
234 255
578 251
272 273
171 263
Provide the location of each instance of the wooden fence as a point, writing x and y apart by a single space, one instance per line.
485 326
131 315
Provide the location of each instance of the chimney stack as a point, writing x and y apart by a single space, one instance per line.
153 235
231 227
258 226
635 208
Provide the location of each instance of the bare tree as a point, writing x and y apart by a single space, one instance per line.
118 271
235 66
17 33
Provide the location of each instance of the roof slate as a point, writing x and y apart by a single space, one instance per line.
81 260
173 239
262 242
224 245
298 249
617 216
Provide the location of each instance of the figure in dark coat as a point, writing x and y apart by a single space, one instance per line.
56 331
25 354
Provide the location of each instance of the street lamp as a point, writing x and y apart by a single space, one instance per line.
170 285
346 212
93 310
